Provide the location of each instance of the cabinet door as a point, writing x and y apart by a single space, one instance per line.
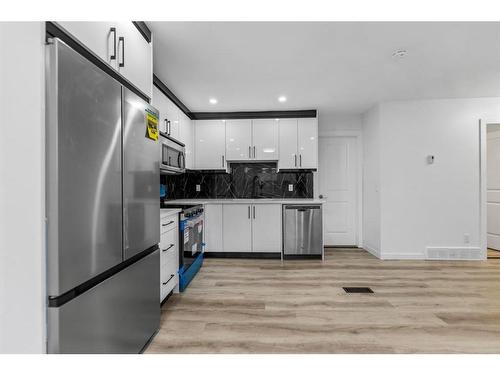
213 228
237 228
209 144
308 142
136 55
186 134
265 139
96 36
174 118
266 228
160 102
239 140
288 158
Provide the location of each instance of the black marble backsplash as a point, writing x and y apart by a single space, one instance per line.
245 180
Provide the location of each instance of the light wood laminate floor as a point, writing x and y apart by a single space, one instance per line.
264 306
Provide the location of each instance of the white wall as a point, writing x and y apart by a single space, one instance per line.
426 205
371 180
328 122
22 200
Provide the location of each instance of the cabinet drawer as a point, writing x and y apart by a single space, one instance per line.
169 238
167 223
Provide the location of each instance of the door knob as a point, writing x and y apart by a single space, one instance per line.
321 196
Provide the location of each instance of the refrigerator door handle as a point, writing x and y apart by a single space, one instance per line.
122 40
113 31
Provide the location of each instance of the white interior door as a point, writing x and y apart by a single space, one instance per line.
338 184
493 189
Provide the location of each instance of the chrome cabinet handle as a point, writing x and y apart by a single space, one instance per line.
222 161
113 30
249 152
166 126
249 212
122 40
254 152
170 222
254 212
295 156
168 248
300 158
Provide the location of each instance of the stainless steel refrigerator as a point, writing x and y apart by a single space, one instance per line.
102 208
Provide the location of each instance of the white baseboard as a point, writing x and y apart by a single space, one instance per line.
372 251
402 256
454 253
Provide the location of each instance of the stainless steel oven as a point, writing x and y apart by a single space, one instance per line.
191 245
173 159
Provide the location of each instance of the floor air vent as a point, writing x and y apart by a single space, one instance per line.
357 289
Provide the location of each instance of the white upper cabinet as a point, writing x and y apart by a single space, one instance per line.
160 102
251 140
239 140
209 144
298 143
288 144
98 37
173 115
186 135
135 60
307 142
265 139
120 45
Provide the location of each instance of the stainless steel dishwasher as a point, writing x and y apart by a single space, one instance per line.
302 230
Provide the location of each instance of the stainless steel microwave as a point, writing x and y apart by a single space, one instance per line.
173 159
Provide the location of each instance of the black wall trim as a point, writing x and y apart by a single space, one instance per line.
169 94
242 255
52 30
143 29
57 301
253 115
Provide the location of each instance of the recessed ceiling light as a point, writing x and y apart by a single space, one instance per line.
282 99
399 54
212 101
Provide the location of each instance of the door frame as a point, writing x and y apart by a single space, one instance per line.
483 187
358 135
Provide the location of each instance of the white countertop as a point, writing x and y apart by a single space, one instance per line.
248 201
165 212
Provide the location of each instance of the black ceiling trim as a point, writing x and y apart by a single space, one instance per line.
253 115
169 94
143 29
52 30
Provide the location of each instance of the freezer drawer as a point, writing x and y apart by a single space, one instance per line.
302 230
118 315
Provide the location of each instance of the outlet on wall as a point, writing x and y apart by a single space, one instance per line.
198 187
290 187
466 238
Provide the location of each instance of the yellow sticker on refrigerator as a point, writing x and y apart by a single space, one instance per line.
151 125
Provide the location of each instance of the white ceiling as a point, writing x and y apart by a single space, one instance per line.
331 66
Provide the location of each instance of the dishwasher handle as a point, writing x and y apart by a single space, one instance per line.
303 208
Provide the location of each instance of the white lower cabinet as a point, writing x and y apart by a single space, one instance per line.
237 228
266 228
213 228
251 228
169 255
